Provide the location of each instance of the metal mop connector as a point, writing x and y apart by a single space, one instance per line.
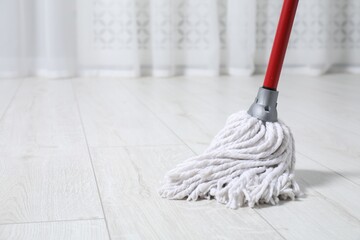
264 107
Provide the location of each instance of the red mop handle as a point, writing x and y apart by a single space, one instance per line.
280 44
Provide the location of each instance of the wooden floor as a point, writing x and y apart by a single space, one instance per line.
82 158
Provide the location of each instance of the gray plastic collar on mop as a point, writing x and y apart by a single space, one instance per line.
264 107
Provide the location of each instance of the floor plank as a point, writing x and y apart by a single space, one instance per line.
190 110
69 230
114 117
328 145
45 172
7 91
311 218
43 114
337 189
128 180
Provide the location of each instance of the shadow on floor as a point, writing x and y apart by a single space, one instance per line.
314 178
310 179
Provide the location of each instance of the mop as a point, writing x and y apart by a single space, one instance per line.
251 160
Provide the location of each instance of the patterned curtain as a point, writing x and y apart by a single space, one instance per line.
64 38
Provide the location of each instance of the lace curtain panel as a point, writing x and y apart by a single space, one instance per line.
65 38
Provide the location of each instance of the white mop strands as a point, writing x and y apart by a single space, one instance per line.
248 162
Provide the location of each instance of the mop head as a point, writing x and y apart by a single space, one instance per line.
248 162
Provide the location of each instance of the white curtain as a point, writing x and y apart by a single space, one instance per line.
65 38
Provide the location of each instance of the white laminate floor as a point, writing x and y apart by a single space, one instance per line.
82 158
